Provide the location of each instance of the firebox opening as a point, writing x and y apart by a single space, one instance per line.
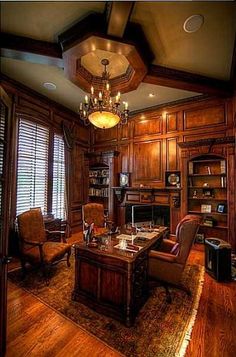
146 214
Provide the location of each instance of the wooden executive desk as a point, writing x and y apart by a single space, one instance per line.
112 281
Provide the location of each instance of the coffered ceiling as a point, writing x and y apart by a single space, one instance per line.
152 59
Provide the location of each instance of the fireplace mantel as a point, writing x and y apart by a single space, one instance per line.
148 195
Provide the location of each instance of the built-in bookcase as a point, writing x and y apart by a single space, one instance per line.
99 180
207 194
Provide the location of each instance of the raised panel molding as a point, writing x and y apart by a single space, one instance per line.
171 122
77 175
75 218
101 135
209 116
172 154
147 161
148 126
123 158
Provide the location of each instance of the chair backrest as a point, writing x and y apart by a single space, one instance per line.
31 226
186 218
93 213
186 234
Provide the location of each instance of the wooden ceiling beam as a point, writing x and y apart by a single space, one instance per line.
118 14
168 77
28 49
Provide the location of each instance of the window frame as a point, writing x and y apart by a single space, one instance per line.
52 131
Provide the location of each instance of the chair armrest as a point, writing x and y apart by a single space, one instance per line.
34 243
162 256
167 245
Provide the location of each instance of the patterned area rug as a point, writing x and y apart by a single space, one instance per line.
161 329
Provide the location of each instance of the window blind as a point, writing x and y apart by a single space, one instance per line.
32 170
58 195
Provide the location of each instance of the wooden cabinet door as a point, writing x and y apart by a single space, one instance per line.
5 126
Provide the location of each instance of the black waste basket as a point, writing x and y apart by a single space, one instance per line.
218 258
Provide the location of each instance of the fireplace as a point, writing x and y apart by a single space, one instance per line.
156 214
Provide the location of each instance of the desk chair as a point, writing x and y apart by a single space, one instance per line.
167 265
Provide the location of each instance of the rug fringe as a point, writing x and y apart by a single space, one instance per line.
187 336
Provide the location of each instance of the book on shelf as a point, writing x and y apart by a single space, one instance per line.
190 168
222 167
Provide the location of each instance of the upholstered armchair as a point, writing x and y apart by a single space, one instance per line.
167 264
34 247
94 213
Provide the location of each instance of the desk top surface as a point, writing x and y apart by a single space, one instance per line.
109 245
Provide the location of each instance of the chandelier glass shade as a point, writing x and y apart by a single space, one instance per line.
102 110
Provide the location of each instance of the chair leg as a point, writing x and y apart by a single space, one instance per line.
68 258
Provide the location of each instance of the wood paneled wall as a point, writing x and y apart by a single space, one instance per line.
148 144
30 105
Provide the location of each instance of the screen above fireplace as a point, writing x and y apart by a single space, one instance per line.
148 214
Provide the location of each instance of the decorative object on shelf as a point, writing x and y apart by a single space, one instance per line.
124 179
205 208
207 193
205 184
195 194
102 111
221 208
172 178
208 221
208 170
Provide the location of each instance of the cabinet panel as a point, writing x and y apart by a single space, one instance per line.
204 117
147 161
148 126
172 154
171 122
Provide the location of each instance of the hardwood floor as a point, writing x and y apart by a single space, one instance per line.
36 330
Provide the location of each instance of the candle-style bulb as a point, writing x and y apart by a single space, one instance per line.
86 99
126 105
92 90
107 86
100 95
81 106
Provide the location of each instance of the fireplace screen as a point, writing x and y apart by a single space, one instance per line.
147 214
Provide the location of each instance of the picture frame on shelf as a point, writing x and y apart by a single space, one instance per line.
124 178
221 208
172 178
205 208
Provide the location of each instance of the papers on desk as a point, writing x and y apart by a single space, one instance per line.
128 249
148 235
125 236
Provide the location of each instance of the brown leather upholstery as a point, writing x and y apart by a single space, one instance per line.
166 266
94 213
34 247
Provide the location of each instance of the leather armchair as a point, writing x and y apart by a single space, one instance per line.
34 247
94 213
167 265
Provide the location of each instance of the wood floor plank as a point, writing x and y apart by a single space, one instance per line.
36 330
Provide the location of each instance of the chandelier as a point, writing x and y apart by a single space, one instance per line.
102 110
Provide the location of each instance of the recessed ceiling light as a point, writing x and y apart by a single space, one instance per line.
50 86
193 23
151 95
